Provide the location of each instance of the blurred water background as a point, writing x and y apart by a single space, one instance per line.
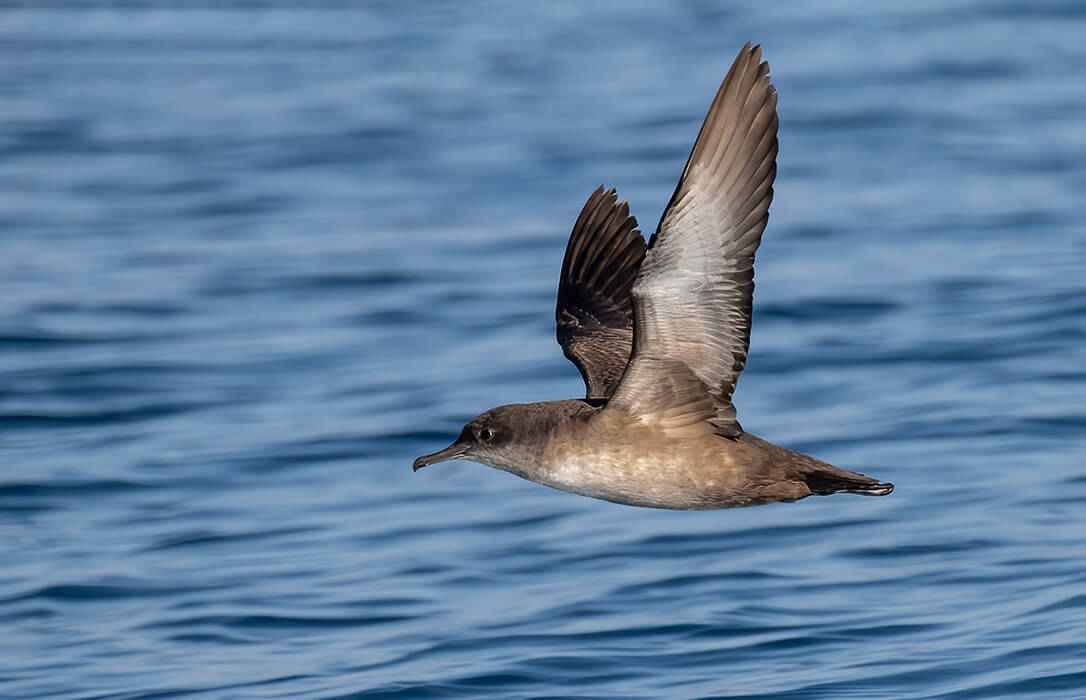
256 257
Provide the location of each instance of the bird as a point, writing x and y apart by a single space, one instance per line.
660 333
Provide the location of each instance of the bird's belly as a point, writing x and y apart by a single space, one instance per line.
684 476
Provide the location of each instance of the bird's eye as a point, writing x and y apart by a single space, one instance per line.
486 434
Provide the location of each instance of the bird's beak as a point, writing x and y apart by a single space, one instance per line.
453 451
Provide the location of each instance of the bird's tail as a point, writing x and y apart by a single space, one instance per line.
827 480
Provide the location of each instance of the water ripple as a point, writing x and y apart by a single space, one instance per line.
256 260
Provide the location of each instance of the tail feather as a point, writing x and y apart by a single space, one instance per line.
823 482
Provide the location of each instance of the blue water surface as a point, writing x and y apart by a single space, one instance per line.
256 257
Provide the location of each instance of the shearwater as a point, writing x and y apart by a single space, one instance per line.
660 333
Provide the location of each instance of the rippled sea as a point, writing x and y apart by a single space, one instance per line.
256 257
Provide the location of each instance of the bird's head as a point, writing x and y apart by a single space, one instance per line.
500 437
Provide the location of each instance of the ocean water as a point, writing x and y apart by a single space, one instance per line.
256 257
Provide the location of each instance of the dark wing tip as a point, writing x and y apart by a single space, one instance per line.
603 255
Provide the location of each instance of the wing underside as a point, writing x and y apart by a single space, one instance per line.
693 293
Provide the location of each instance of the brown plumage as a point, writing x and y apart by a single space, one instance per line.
660 335
595 308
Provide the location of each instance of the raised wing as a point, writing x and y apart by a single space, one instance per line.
692 297
595 310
